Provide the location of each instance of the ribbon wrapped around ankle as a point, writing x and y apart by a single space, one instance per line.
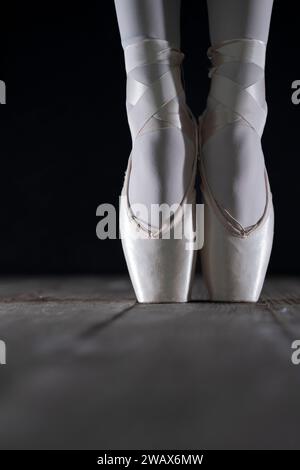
151 51
229 101
156 105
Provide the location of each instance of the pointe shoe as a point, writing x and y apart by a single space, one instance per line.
161 267
234 258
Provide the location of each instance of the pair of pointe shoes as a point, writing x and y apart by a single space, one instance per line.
234 258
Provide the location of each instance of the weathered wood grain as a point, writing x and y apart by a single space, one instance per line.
87 367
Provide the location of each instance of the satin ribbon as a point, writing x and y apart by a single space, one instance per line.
228 101
155 106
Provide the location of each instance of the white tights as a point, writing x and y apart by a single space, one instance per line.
234 160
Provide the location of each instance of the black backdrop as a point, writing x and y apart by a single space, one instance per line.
65 140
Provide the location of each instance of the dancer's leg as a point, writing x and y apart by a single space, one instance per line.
232 19
162 155
233 157
144 19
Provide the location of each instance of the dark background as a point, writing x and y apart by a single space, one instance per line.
65 140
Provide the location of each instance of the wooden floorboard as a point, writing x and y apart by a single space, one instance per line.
88 367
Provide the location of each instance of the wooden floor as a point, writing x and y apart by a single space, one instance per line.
89 368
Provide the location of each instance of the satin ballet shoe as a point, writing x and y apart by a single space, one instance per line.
161 266
234 258
161 269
